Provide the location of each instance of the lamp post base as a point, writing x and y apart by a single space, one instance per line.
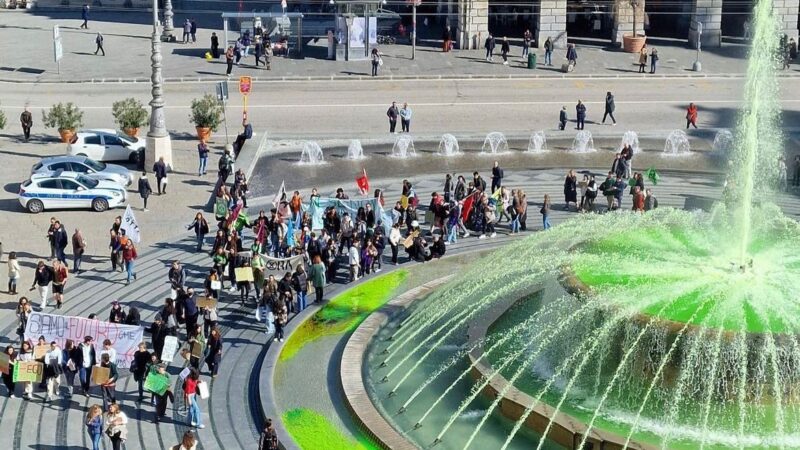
697 67
158 147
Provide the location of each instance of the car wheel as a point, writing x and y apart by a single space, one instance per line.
35 206
82 155
134 157
99 204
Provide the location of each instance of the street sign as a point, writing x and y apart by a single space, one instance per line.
222 91
245 84
56 32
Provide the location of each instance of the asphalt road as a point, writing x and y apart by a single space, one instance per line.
344 109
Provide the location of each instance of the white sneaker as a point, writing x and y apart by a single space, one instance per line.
483 236
145 210
493 235
281 340
232 289
275 340
200 427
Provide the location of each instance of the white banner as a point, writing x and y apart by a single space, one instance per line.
281 193
124 338
279 266
130 225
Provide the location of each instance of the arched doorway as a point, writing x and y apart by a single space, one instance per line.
590 19
734 15
668 18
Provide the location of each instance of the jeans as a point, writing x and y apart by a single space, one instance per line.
653 66
12 285
200 238
524 50
108 395
515 224
203 163
96 438
548 57
374 68
392 125
140 385
129 267
546 221
395 249
452 234
581 121
406 125
609 114
60 255
301 300
85 374
194 411
76 263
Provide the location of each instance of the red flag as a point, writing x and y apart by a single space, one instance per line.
363 182
467 206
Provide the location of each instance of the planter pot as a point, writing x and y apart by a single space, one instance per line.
203 133
66 135
132 132
633 44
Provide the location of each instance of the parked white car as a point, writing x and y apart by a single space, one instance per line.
106 145
87 166
69 190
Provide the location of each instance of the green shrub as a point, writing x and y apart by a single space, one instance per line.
63 117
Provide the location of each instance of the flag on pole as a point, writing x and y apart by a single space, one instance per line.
234 213
467 207
290 233
363 182
280 195
130 225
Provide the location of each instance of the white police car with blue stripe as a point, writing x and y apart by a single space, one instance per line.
69 190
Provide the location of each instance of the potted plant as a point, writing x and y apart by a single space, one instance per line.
206 115
633 43
130 115
64 117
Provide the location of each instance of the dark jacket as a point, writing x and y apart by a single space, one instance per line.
392 113
580 110
497 173
504 47
60 238
177 278
44 277
562 116
610 103
78 356
144 187
160 169
139 366
489 44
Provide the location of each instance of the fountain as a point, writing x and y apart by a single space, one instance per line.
630 138
723 143
312 154
677 144
583 142
537 143
354 150
494 143
689 340
448 146
404 147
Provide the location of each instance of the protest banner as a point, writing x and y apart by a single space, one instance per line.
32 371
317 207
156 383
39 351
100 374
206 302
244 274
170 347
5 363
279 266
124 339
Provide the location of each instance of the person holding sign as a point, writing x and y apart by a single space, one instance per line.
108 384
197 344
26 355
9 358
52 370
158 383
70 358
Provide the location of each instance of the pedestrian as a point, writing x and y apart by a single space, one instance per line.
376 59
158 333
489 46
202 154
13 273
392 114
214 46
214 351
144 189
117 314
133 317
60 275
241 138
41 281
116 424
795 178
86 360
527 37
94 425
129 257
193 30
642 58
405 118
504 49
572 56
160 170
570 189
8 378
300 286
24 312
141 358
108 387
354 259
26 355
497 177
187 31
446 39
188 441
70 360
650 201
317 276
60 241
545 211
26 120
229 60
78 249
52 370
653 59
638 199
691 116
269 438
609 109
161 399
746 29
548 51
562 118
580 114
98 39
85 16
225 166
200 226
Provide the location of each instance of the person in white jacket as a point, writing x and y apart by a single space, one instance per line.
394 241
52 370
354 259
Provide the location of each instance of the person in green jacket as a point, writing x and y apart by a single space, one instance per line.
317 276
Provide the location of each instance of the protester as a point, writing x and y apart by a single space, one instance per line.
116 425
94 425
214 351
86 360
60 275
13 273
107 389
269 438
190 390
53 370
691 116
41 282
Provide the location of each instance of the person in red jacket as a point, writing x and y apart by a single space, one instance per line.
129 256
691 116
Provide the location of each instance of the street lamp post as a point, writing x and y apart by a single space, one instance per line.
166 34
158 140
697 67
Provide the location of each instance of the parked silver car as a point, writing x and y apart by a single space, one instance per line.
80 164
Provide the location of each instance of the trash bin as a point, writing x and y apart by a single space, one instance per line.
531 60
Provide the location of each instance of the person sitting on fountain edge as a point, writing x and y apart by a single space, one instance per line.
242 138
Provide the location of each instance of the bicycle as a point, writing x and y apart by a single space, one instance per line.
388 40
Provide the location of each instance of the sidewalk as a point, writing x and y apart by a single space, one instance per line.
28 37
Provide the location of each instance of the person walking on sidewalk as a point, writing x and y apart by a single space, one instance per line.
609 112
193 30
26 120
580 114
527 37
691 116
572 55
129 257
85 17
99 41
489 46
392 114
229 60
504 49
160 169
78 249
187 31
642 58
405 118
144 189
376 61
214 46
562 118
653 59
548 51
202 153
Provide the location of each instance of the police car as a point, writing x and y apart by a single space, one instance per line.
69 190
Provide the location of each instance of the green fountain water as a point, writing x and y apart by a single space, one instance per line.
670 329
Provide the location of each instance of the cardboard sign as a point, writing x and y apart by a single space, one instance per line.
197 350
100 375
244 274
170 347
245 84
40 350
157 383
185 373
30 371
5 363
206 302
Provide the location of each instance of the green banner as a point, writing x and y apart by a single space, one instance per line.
157 383
28 371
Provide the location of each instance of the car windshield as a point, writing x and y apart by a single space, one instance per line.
125 138
86 181
95 165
